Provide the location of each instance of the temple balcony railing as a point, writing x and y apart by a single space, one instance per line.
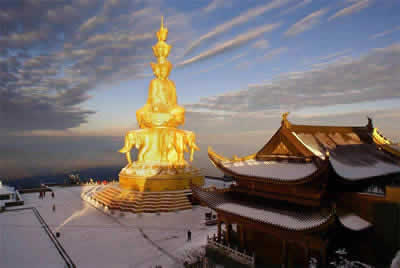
230 252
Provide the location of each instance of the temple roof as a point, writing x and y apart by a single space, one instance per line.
304 149
278 215
274 171
357 162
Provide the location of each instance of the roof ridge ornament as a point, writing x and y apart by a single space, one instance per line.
370 125
285 122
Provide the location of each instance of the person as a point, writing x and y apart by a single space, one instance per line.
54 207
189 235
52 194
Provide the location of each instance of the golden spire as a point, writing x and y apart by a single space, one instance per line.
162 34
162 49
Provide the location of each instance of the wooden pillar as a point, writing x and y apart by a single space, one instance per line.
323 256
241 235
219 231
283 254
306 252
227 224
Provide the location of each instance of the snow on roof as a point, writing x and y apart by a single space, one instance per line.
285 171
359 162
283 217
354 222
6 190
293 220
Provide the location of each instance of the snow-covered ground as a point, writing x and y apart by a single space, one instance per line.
93 238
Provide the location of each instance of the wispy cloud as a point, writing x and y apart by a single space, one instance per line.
350 81
274 52
334 55
306 23
219 65
261 44
267 56
357 6
384 33
215 4
242 18
295 7
236 42
49 66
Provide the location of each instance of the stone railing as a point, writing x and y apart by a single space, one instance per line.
232 253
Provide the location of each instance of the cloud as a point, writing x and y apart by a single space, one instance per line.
295 7
243 18
236 42
306 23
334 55
356 7
261 44
384 33
269 55
371 77
274 53
215 4
49 67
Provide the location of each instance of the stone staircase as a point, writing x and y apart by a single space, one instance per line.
139 202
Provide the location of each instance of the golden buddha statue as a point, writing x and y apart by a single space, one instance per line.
161 108
159 143
160 172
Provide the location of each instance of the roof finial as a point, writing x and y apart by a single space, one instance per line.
370 126
285 121
162 22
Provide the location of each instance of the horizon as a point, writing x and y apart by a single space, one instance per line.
72 80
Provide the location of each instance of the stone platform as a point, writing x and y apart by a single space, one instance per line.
113 197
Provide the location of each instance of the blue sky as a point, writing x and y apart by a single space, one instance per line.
81 67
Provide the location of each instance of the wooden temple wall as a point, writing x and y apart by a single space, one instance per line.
272 246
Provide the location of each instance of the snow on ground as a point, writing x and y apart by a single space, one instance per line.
93 238
24 243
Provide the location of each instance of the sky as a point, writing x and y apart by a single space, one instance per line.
74 72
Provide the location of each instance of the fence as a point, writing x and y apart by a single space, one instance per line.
234 254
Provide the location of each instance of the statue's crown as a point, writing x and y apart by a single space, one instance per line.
161 49
162 34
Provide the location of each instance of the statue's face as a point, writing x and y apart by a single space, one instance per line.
164 71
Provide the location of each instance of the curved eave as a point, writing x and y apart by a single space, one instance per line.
378 138
213 204
391 150
355 180
216 158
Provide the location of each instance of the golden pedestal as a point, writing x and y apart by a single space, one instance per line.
155 189
161 182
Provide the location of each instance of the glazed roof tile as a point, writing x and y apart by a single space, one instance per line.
284 171
358 162
285 217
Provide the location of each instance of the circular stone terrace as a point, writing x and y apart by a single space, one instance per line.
94 237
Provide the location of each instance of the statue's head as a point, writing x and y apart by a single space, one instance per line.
155 68
161 70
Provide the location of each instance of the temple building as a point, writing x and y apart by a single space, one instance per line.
308 191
